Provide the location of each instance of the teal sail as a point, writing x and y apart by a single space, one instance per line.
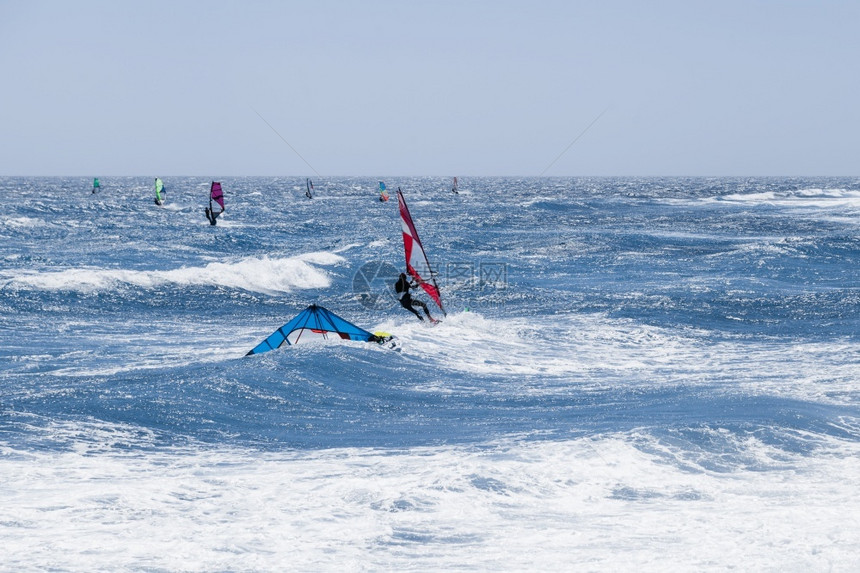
315 322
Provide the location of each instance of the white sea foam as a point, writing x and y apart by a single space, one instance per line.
20 222
154 345
346 248
589 504
592 349
255 274
750 197
821 198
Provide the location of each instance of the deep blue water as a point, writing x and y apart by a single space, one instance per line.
746 261
684 314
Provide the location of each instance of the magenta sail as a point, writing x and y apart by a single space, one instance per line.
216 195
417 264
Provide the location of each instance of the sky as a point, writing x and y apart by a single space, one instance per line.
391 87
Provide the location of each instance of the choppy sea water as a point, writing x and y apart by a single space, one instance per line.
659 374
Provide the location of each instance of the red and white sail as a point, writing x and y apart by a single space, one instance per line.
417 264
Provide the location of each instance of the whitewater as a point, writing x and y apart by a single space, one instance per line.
658 374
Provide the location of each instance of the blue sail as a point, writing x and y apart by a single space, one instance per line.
314 322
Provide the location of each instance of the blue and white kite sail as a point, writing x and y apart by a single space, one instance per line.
316 322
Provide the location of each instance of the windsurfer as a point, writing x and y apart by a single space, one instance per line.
159 189
212 215
402 286
216 195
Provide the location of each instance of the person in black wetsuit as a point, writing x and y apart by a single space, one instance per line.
212 216
402 287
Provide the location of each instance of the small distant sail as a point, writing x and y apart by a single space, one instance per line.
317 323
216 194
383 192
96 184
159 192
417 264
310 192
455 188
216 197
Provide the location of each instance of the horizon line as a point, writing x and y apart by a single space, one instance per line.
371 176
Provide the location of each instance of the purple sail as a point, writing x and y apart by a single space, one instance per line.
215 194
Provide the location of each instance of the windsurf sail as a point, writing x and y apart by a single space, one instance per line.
310 192
315 322
383 192
455 188
216 194
417 264
159 191
96 184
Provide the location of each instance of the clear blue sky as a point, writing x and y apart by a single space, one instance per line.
460 87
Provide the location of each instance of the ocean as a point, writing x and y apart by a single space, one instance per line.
651 374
